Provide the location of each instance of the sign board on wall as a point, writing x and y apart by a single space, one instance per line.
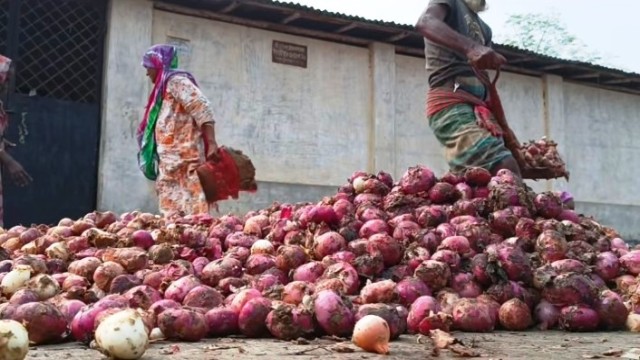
289 54
184 50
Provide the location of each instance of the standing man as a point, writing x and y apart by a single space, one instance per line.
456 42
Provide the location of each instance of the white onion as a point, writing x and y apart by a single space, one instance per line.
30 248
15 279
358 184
262 247
58 251
45 286
122 335
14 340
156 335
633 322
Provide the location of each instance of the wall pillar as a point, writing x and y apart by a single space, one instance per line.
382 148
554 120
124 97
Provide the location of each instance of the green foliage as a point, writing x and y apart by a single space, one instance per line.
546 35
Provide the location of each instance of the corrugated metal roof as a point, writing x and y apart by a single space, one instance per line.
406 27
294 18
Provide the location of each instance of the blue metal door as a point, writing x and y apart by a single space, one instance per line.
57 48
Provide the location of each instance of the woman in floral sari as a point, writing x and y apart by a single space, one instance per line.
15 170
177 119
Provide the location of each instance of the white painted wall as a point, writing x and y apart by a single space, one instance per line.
351 108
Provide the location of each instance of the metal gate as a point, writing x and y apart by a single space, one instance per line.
57 48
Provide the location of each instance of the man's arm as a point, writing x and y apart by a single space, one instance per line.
432 26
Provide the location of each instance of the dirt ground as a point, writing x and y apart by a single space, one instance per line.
500 345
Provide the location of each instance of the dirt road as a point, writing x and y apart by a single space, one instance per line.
500 345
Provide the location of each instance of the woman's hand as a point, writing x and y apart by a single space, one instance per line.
212 152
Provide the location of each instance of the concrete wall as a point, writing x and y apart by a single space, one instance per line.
351 108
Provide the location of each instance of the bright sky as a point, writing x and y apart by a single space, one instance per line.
598 24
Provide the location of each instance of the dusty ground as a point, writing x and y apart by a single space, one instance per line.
501 345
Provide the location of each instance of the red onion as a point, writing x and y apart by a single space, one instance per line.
390 249
547 315
631 262
435 274
571 289
417 179
607 266
220 269
180 288
477 176
44 322
451 258
551 245
442 193
327 244
548 205
569 265
332 314
515 315
465 286
309 272
258 263
459 244
611 310
222 322
431 216
578 318
473 316
142 296
421 308
142 239
375 226
252 317
182 324
569 215
345 273
286 322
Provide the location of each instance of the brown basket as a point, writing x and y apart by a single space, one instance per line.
246 170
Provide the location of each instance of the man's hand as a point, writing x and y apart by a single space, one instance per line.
18 174
485 58
212 152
